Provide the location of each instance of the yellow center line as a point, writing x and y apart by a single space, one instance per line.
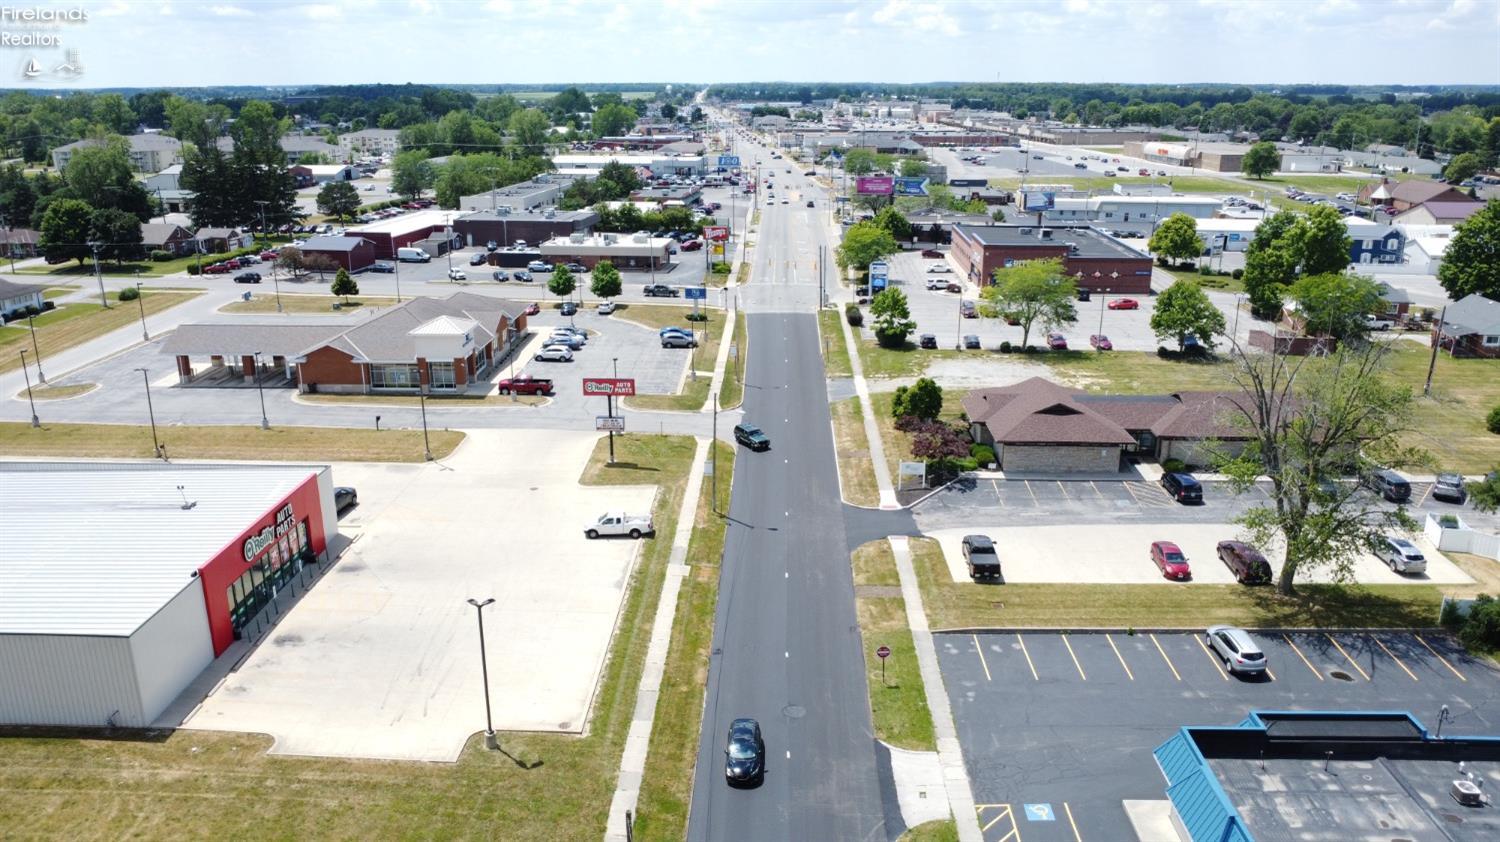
1440 658
1074 657
1128 673
1071 823
1028 658
1393 657
982 662
1165 658
1214 659
1302 656
1352 662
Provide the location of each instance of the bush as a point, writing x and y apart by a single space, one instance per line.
1237 274
982 453
193 269
1481 631
1005 346
890 338
129 294
720 268
1492 422
1173 466
968 463
853 315
159 256
696 317
1205 269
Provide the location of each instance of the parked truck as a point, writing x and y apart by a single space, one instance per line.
619 523
660 291
525 385
412 255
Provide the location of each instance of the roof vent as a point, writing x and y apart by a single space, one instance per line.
1026 232
503 210
576 237
549 213
1045 233
1467 793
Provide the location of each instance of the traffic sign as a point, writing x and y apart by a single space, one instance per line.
729 160
695 293
620 387
883 652
612 423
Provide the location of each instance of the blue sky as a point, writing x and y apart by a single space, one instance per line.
272 42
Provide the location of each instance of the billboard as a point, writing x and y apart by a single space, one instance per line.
620 387
715 233
1032 202
874 185
911 187
879 275
729 161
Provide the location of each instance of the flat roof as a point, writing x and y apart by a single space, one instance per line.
408 222
106 545
1090 243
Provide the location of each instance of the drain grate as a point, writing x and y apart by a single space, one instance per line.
1341 675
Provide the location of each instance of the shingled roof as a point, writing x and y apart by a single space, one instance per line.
1038 411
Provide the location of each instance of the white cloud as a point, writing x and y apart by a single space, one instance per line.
229 11
322 11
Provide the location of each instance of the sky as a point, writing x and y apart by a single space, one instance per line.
275 42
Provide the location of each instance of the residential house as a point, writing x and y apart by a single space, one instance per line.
17 243
216 240
379 143
164 236
1438 213
19 298
1470 328
1404 195
1374 242
149 153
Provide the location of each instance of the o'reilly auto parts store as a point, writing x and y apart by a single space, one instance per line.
121 583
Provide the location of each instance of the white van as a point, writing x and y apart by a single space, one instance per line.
412 255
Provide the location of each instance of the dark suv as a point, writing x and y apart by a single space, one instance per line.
1390 485
1245 562
750 436
1183 488
980 556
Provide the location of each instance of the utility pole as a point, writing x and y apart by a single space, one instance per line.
35 422
714 455
103 299
265 423
140 299
155 442
426 443
1432 363
41 378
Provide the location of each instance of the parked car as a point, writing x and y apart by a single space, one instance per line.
571 341
939 269
1239 650
216 269
1450 487
1143 171
752 437
936 284
606 307
744 754
1124 304
1183 487
500 275
1400 555
968 310
386 266
1169 559
577 268
1100 342
1057 342
673 329
247 278
678 340
476 259
980 557
525 385
1245 562
932 254
619 523
533 308
457 274
1376 322
269 255
692 245
1390 485
554 354
539 266
521 275
954 286
660 291
971 342
344 498
927 340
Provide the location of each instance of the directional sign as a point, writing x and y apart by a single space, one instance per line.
691 293
611 423
729 160
883 652
911 187
620 387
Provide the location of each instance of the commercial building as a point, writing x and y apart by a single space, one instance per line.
309 174
658 164
1439 213
1096 261
935 225
625 251
1401 196
354 254
507 227
1066 135
149 153
418 228
106 625
1109 209
543 191
374 143
678 196
1316 775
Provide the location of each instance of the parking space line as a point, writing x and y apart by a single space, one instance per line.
1347 657
1393 657
998 497
1165 658
1426 491
1096 489
1022 641
1440 658
1302 656
1071 823
982 662
1074 657
1034 501
1212 657
1064 490
1128 673
1270 674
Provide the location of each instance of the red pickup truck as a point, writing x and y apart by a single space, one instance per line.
525 385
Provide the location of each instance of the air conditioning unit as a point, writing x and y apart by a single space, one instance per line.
1026 232
576 237
610 239
1046 233
641 238
502 210
1467 793
549 214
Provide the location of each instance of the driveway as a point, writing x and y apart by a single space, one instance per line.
381 658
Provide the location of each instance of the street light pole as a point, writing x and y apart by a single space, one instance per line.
35 422
276 282
141 300
426 443
155 442
265 423
103 299
484 667
714 455
37 351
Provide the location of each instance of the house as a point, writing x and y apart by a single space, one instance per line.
1396 300
216 240
19 298
163 236
1374 242
17 243
1470 328
378 143
1405 195
149 152
354 254
1438 213
1039 426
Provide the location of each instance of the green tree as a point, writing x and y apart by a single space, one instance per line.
528 130
338 199
912 168
1472 261
864 243
65 230
102 175
668 111
1463 167
1184 310
606 281
613 120
859 161
893 222
923 399
1303 420
1321 241
562 283
1270 265
117 232
570 100
290 259
1261 160
1177 239
1037 293
893 322
411 173
344 284
1485 493
1335 304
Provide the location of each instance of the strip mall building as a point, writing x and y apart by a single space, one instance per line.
130 579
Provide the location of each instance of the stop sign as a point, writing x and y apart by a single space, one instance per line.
883 652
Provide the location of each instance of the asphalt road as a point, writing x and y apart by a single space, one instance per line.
786 640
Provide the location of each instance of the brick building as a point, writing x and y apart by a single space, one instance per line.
1097 262
355 254
506 226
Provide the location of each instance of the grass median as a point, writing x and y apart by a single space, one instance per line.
836 360
300 302
667 788
80 785
314 444
852 447
76 323
952 604
898 701
56 393
943 830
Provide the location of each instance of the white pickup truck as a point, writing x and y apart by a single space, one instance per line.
617 523
1376 322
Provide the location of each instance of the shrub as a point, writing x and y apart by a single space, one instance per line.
968 463
1223 273
1205 269
1237 274
129 294
720 268
193 269
1173 466
890 338
159 256
696 317
1482 628
853 315
1005 346
982 453
1492 422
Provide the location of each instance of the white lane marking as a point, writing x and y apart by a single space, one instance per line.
788 755
786 654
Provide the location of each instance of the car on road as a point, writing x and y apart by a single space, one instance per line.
1450 487
1183 487
1057 342
1143 171
1401 555
606 307
521 275
1169 559
1124 304
247 278
932 254
678 340
744 754
554 354
476 259
456 274
752 437
569 308
1245 562
619 523
968 310
1080 166
525 385
980 557
810 203
1240 652
344 498
660 291
971 342
576 268
533 308
692 245
927 340
540 266
786 201
1100 342
939 269
501 275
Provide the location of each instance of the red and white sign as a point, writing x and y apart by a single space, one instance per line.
883 652
717 233
605 386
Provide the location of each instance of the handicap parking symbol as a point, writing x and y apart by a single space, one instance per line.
1039 813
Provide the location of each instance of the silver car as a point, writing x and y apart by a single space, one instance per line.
1401 555
1239 650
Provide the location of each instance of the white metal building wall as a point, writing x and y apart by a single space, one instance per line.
68 680
169 650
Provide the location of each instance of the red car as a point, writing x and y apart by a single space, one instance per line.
1170 560
932 254
269 255
216 269
1101 342
692 245
1124 304
533 308
1057 342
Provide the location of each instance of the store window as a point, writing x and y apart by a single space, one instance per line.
440 375
394 376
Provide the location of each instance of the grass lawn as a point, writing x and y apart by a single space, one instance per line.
694 392
1217 283
1133 372
57 292
319 444
716 279
303 303
73 324
733 387
943 830
836 361
744 273
856 470
542 787
898 701
1324 184
133 269
906 361
57 393
952 604
1450 424
667 789
432 402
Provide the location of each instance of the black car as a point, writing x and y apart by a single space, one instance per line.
247 278
751 436
491 245
1390 485
1450 487
1183 487
386 266
476 259
971 342
745 753
344 497
569 308
927 340
980 556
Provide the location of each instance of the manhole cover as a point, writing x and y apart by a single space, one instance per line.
794 711
1341 675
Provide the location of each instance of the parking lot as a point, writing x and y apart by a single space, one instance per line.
614 344
1058 729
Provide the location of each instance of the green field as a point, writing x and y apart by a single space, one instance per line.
78 322
898 701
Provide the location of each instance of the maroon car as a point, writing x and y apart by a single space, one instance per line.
1170 561
1100 342
932 254
1057 342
